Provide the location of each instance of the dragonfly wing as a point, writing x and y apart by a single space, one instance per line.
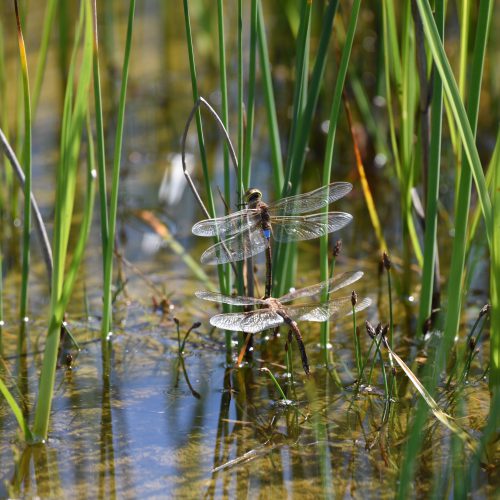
238 247
228 225
333 309
333 284
250 322
228 299
307 227
307 202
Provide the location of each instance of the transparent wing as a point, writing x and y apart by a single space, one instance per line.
228 299
250 322
238 247
335 308
307 227
333 284
307 202
228 225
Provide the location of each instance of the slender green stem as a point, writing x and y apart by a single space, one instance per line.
275 382
26 161
330 143
274 136
391 318
48 24
101 155
357 346
247 154
455 290
16 410
227 180
74 112
494 379
301 76
294 169
108 268
240 144
432 194
1 288
465 127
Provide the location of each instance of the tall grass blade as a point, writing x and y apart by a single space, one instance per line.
432 188
74 112
48 23
465 128
462 204
494 380
301 76
101 150
443 417
247 147
272 120
330 142
108 268
16 410
26 161
223 276
226 270
294 169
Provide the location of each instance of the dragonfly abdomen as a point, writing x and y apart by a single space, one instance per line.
265 220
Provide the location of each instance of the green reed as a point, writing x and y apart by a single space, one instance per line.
8 178
1 286
432 189
275 382
274 135
75 110
495 285
465 179
48 23
62 272
250 111
115 179
471 167
101 150
26 161
330 142
226 269
304 110
357 346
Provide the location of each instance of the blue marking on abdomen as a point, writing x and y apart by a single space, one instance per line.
267 233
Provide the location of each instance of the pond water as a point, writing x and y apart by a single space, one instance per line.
197 425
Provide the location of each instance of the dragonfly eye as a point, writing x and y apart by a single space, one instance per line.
252 195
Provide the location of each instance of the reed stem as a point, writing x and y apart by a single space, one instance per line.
26 161
113 209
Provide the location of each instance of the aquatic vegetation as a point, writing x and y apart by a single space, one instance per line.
398 99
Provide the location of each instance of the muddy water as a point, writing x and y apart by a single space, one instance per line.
196 425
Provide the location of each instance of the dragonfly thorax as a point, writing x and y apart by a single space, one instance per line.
252 197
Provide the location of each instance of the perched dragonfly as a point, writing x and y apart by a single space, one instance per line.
273 313
247 232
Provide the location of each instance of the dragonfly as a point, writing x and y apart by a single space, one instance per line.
248 232
273 312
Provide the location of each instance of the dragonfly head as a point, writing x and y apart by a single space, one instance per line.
252 196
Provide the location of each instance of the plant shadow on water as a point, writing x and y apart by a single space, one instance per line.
175 415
